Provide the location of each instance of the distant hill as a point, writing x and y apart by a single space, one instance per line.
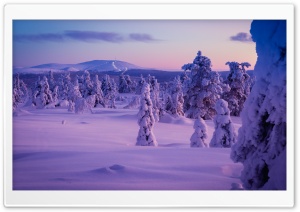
94 65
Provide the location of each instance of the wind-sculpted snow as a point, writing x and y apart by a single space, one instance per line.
261 146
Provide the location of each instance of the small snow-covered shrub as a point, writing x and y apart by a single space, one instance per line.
199 136
224 135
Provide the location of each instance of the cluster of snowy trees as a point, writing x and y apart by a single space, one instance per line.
81 94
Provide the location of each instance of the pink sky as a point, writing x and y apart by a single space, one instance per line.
155 44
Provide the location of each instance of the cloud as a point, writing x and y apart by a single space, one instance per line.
141 37
39 37
85 36
242 37
92 36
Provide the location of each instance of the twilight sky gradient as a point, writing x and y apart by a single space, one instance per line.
163 44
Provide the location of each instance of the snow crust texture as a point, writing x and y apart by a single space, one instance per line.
261 146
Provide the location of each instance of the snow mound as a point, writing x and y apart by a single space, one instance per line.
109 170
169 119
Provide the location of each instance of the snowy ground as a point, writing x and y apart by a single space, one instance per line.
54 149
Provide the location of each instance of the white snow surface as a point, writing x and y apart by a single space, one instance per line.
54 149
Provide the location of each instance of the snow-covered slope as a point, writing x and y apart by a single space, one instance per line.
94 65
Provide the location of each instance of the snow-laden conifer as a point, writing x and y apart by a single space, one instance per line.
224 134
204 90
261 145
198 139
97 91
146 120
239 83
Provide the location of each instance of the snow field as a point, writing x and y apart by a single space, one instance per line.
54 149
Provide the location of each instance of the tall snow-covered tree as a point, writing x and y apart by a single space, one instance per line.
64 85
146 120
239 82
154 95
224 134
73 95
140 84
200 135
19 91
97 91
51 81
204 90
174 101
42 95
261 145
123 85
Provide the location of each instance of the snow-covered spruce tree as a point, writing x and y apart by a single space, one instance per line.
140 84
261 145
64 85
174 101
146 120
123 85
185 81
131 84
204 90
238 81
110 91
19 91
51 80
97 91
55 94
224 134
73 95
42 95
154 95
85 84
200 135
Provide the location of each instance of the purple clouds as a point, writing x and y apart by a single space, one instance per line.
242 37
85 36
141 37
92 36
39 37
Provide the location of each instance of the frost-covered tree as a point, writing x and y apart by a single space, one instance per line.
51 80
174 101
239 82
123 86
261 145
131 84
85 84
146 120
73 95
110 91
64 85
204 90
140 84
42 95
200 135
97 91
19 91
185 81
55 94
154 95
224 134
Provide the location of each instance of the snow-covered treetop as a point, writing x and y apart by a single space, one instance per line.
222 107
199 61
